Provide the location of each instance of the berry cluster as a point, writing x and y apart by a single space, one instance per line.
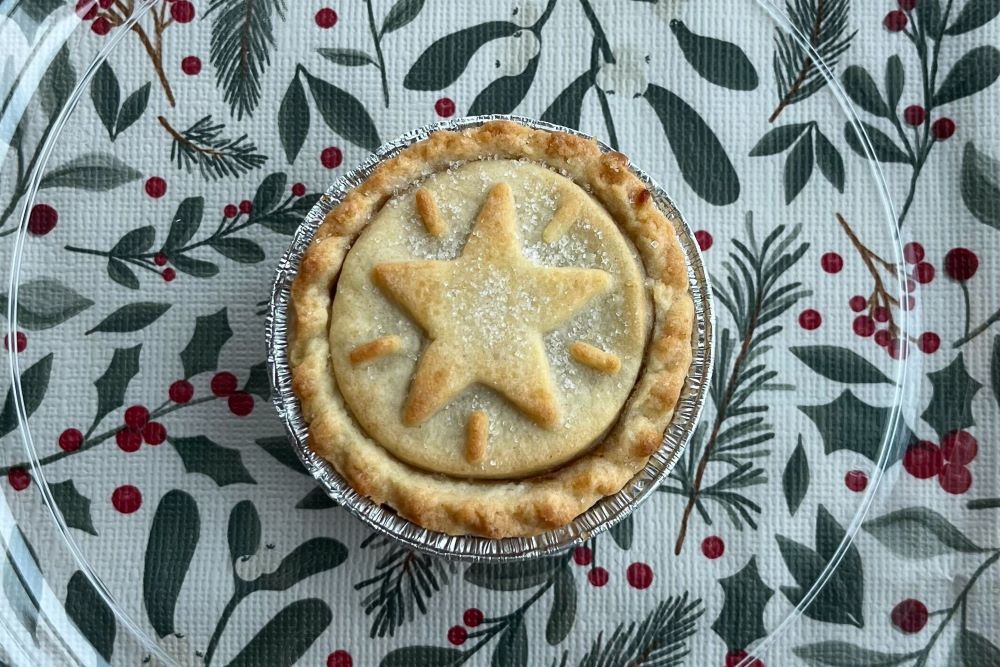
948 461
224 386
137 429
875 317
457 634
104 17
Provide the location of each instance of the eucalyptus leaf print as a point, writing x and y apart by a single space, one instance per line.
105 93
702 159
173 538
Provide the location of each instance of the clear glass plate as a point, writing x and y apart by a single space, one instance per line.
159 157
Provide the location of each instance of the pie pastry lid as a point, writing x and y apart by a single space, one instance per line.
601 516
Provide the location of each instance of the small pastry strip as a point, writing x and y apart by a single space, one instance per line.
374 349
476 431
595 357
429 212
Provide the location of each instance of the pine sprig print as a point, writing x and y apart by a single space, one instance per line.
242 43
203 146
824 23
755 297
404 580
660 639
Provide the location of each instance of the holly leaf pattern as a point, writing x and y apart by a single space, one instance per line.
202 352
74 506
282 452
222 464
34 384
850 423
111 386
741 620
950 407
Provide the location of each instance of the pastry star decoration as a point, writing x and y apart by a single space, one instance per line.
485 313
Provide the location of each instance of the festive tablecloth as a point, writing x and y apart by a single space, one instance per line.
209 131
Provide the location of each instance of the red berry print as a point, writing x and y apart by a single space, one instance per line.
910 285
457 635
943 128
298 189
704 239
881 314
169 274
191 65
241 403
136 416
230 211
156 187
858 303
20 342
907 4
883 337
126 499
961 264
445 107
104 4
960 447
913 252
326 18
810 319
19 479
929 342
864 325
736 658
223 384
70 440
331 157
713 547
86 9
246 206
128 440
598 577
923 460
159 259
182 11
639 575
583 556
154 433
910 615
181 391
42 219
923 272
914 115
895 21
339 658
909 303
955 478
856 480
832 262
101 26
472 617
898 349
